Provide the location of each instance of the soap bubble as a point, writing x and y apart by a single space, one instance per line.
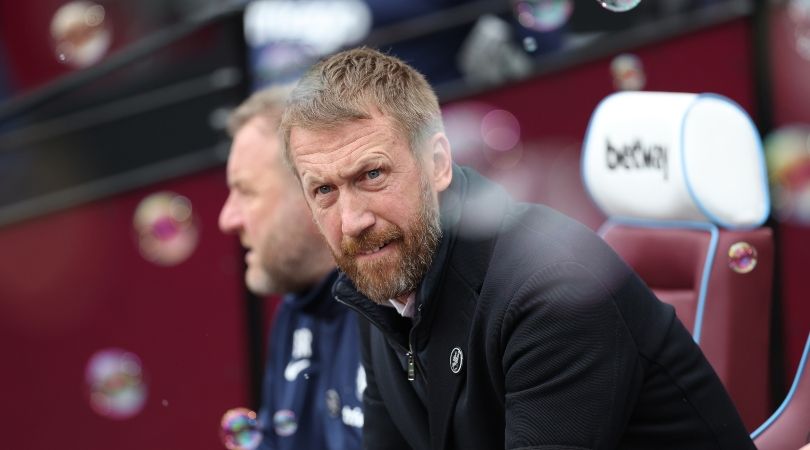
543 15
628 72
115 381
166 228
240 430
81 35
742 257
787 153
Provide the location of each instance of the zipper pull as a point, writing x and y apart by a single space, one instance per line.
411 366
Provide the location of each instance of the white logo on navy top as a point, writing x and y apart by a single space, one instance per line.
456 360
301 350
294 368
352 416
302 343
361 382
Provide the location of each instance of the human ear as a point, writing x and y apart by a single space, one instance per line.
442 161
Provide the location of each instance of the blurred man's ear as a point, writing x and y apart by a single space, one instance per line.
441 161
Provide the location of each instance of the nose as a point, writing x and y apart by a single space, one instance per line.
355 214
229 217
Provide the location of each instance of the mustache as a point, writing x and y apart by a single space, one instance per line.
369 240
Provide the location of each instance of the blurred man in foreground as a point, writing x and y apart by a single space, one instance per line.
313 380
489 323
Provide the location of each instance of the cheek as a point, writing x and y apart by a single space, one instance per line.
261 228
329 226
252 221
397 210
265 219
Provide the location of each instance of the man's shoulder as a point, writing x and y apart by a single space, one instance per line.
538 243
543 235
500 238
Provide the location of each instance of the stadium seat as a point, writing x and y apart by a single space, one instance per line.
682 181
789 427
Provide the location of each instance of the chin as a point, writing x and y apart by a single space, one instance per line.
258 283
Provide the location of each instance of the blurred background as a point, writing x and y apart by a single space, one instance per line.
124 321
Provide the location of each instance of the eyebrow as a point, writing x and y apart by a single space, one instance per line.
308 180
361 165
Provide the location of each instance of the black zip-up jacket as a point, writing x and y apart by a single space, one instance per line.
531 333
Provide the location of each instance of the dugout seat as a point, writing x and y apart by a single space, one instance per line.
683 183
789 427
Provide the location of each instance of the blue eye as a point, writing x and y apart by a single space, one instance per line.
372 174
324 189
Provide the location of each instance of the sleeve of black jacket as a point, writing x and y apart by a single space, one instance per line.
576 378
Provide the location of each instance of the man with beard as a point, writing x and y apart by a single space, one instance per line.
313 381
487 323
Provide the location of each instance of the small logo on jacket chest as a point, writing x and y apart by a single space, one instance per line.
456 360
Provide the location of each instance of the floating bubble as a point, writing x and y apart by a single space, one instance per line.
742 257
792 205
462 125
482 134
115 381
543 15
500 130
166 227
240 430
628 72
787 149
619 5
80 33
787 154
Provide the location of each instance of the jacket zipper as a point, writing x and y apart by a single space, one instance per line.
408 354
411 364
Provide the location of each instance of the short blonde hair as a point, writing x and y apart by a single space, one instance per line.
267 103
349 85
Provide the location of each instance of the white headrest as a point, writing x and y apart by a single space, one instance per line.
672 156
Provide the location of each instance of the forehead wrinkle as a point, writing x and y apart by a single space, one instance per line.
354 168
310 175
317 154
318 160
309 178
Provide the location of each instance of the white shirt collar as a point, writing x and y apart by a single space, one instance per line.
408 309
